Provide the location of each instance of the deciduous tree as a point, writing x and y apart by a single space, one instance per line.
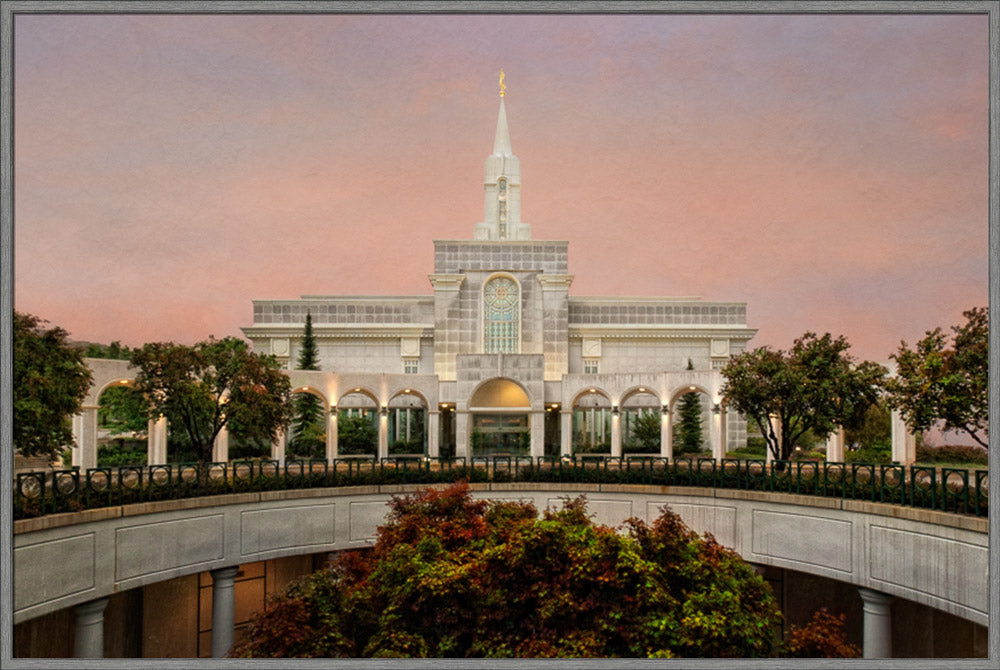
450 576
937 382
814 386
204 388
50 381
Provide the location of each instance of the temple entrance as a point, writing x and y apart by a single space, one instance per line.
500 426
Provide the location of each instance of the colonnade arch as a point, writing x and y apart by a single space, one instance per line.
500 419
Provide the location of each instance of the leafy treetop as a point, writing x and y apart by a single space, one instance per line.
50 381
450 576
936 382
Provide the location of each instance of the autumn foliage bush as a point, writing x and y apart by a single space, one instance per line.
823 637
450 576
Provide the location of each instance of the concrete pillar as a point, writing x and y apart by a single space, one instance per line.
223 610
433 433
331 436
835 446
877 630
667 433
85 436
383 433
776 422
904 443
278 448
566 432
156 449
89 635
718 433
462 447
536 423
616 433
220 447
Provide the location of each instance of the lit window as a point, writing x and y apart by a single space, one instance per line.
501 317
411 366
590 366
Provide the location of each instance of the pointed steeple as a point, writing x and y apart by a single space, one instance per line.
502 186
501 141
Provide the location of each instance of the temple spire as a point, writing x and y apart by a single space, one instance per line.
501 141
502 186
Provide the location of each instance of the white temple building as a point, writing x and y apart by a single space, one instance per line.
500 358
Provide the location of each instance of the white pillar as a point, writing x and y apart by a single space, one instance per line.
89 633
718 436
86 438
220 447
462 448
616 433
383 434
223 610
776 422
667 434
331 436
537 426
877 631
433 433
278 448
152 453
566 432
835 446
904 443
162 441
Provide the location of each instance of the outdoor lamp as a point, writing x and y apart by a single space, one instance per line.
716 408
614 410
665 409
385 410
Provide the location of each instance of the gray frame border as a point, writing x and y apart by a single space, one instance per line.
9 8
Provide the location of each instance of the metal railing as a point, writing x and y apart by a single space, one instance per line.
953 490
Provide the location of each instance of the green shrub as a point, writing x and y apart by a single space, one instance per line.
952 454
869 455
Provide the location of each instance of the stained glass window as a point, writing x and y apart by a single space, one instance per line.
502 321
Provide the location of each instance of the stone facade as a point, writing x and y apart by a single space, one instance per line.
552 346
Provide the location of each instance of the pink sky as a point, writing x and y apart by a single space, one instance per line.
829 170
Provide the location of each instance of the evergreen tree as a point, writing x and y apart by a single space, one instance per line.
308 429
689 430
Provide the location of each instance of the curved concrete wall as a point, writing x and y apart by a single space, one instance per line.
932 558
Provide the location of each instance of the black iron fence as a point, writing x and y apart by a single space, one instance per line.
946 489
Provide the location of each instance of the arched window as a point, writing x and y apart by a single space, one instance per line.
501 316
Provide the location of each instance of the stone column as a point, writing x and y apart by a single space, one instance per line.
278 448
383 433
331 436
835 446
158 441
904 443
877 631
718 436
566 433
537 426
776 422
89 636
616 433
433 433
220 447
85 428
223 610
462 448
667 433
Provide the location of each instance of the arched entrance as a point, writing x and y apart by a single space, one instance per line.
500 419
592 423
641 422
407 424
357 424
